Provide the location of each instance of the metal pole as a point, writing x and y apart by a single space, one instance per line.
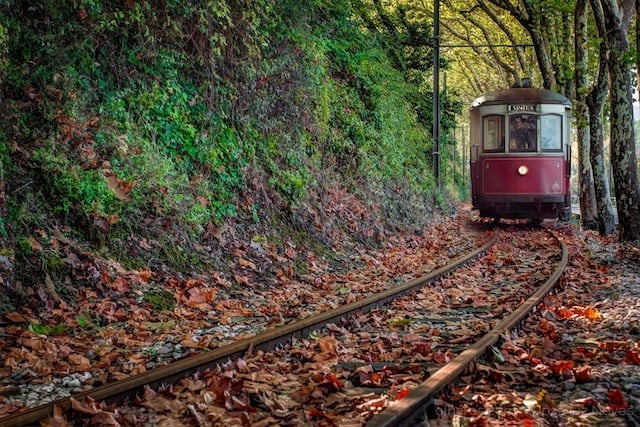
436 92
453 155
464 157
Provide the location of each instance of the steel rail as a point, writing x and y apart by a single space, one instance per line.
118 391
415 405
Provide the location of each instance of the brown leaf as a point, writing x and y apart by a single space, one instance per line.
79 360
119 188
57 419
329 345
160 404
89 406
16 317
246 263
104 419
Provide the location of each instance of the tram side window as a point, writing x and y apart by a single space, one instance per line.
522 132
493 134
551 132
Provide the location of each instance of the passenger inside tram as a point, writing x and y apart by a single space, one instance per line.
522 132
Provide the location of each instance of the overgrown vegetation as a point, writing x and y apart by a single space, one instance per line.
140 130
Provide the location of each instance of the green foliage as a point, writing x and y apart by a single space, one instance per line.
40 329
183 159
73 188
151 113
87 322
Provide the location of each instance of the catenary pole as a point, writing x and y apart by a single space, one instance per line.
436 92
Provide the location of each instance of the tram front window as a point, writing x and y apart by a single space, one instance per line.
551 132
493 134
522 132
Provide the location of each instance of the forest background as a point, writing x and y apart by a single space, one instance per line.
154 133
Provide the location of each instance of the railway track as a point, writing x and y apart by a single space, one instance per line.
416 404
119 391
440 363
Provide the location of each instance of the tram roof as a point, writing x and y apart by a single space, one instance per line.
521 95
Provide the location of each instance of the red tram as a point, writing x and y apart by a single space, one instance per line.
520 154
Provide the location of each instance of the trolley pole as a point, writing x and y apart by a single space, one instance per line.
436 92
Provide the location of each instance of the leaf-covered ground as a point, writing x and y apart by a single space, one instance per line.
575 362
124 322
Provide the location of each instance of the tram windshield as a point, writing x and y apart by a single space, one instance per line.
522 132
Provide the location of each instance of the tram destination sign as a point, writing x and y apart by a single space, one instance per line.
522 107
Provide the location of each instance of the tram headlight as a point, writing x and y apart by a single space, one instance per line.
523 170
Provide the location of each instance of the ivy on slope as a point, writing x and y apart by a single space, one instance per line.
138 129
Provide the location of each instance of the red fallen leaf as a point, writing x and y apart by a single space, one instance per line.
548 330
333 379
199 295
377 378
314 412
588 402
582 374
402 393
614 345
590 313
632 357
563 369
563 312
617 400
588 353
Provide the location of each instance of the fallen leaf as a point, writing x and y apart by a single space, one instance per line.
89 406
617 400
632 357
57 419
16 317
582 374
544 400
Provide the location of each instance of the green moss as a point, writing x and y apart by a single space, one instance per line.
160 299
40 329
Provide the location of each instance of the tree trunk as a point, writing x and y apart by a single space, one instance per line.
595 102
623 150
586 189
